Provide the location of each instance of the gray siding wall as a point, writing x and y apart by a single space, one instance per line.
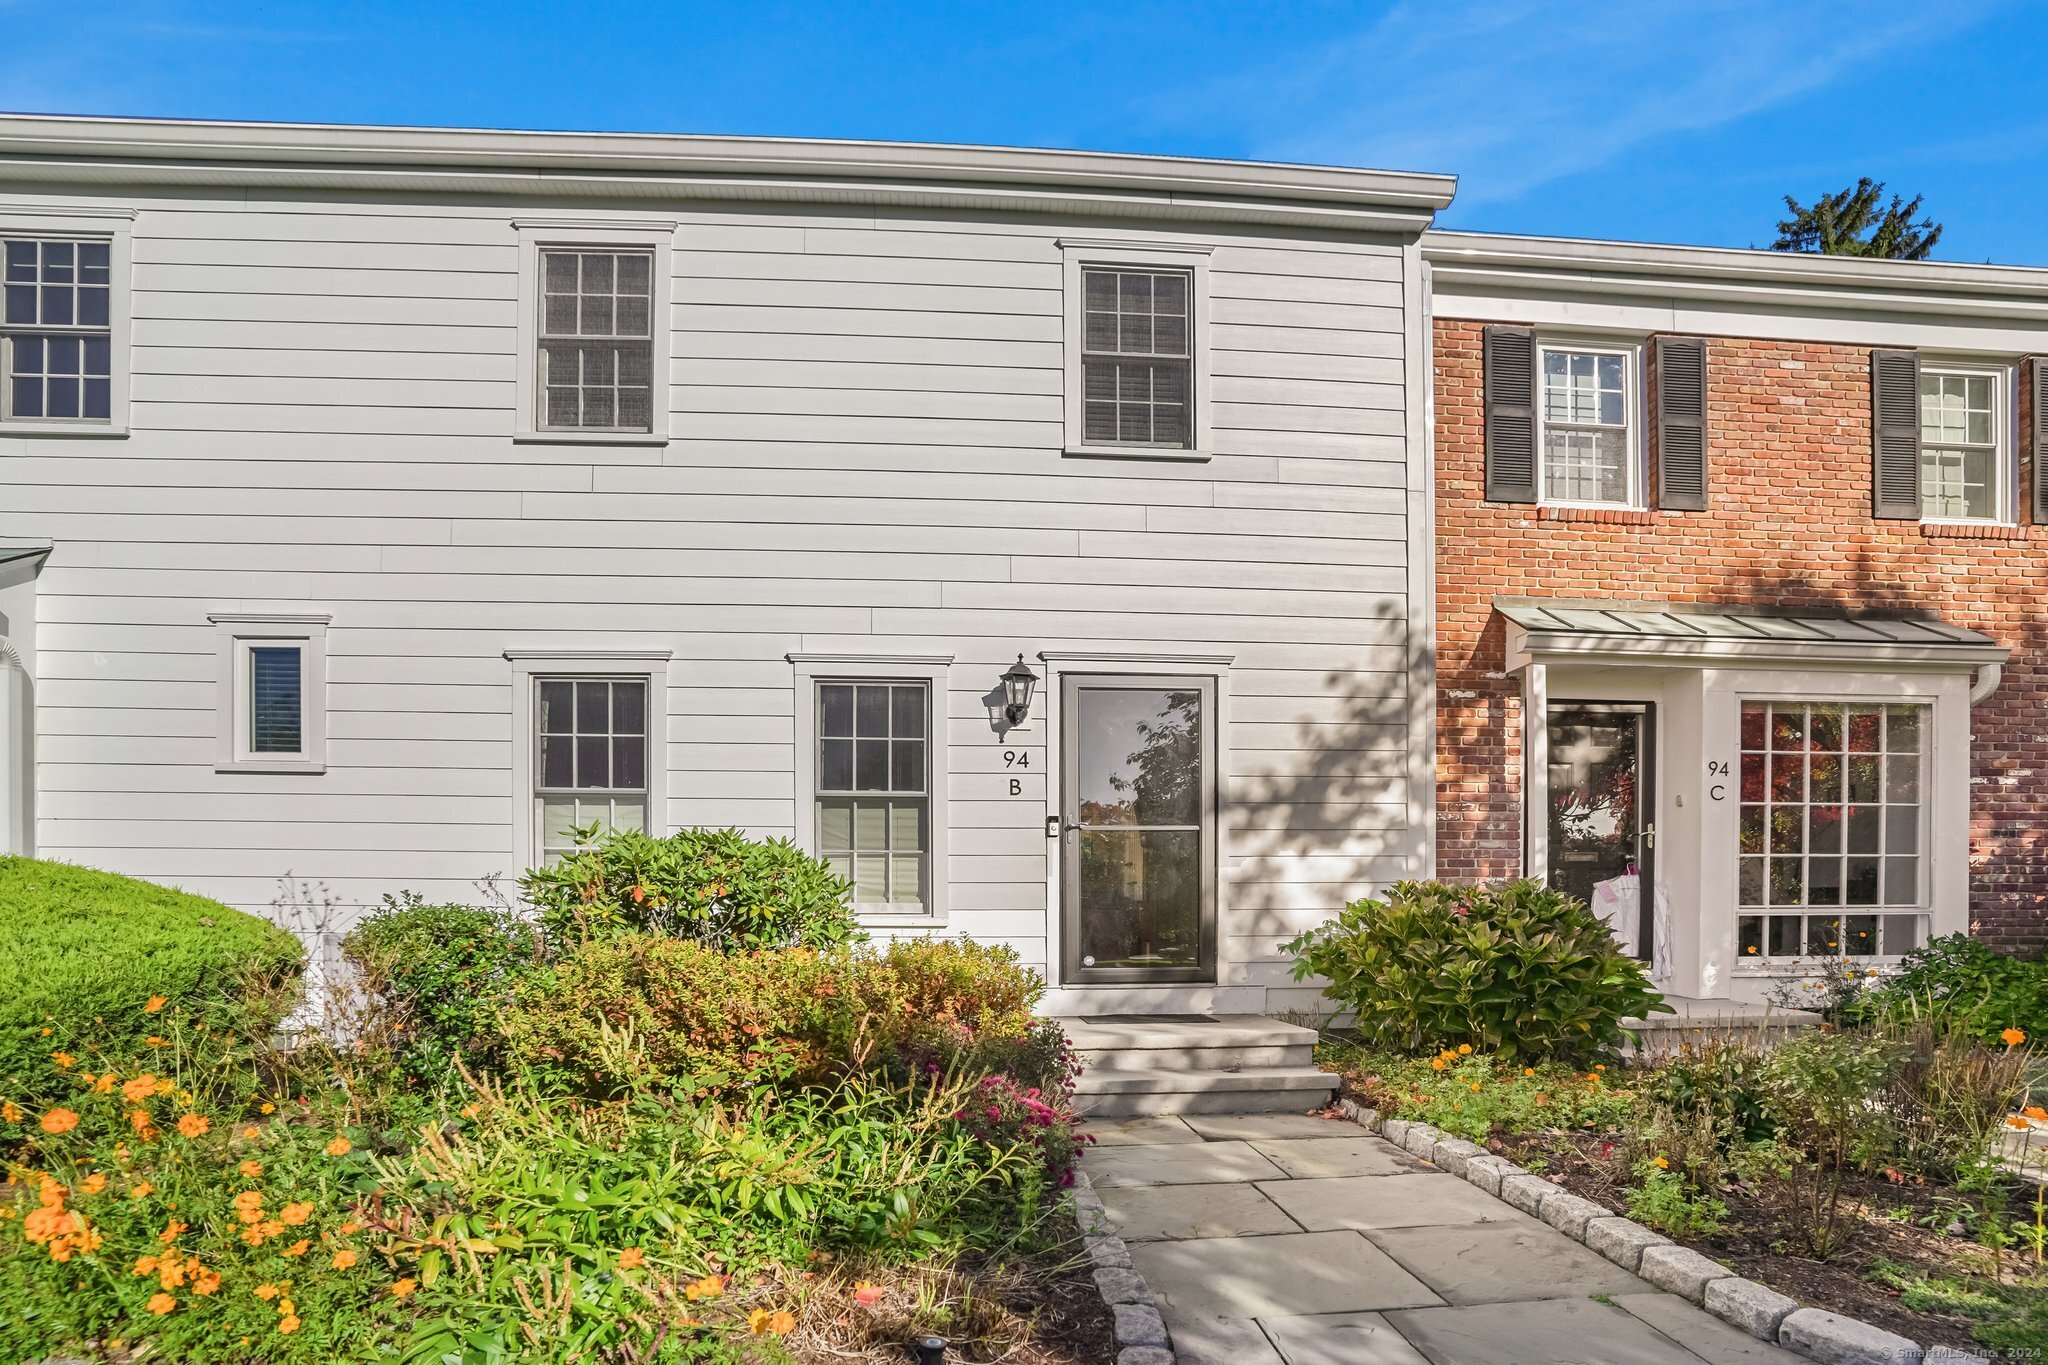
866 419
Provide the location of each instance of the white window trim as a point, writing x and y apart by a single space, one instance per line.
931 669
234 632
1633 397
657 236
529 665
115 227
2004 411
1192 258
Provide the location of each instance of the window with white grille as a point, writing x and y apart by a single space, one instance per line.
56 330
1588 406
1136 362
874 790
590 752
1831 857
1963 468
596 341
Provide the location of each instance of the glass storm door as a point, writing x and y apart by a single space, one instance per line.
1138 829
1599 802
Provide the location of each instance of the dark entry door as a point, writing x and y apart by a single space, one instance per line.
1138 828
1601 802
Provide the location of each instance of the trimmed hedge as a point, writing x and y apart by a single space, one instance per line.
79 946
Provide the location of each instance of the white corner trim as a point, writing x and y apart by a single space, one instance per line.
592 656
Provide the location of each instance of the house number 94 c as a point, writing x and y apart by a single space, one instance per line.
1717 767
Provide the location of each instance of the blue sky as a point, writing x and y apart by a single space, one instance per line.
1664 120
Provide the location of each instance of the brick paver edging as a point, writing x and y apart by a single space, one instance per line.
1762 1312
1140 1332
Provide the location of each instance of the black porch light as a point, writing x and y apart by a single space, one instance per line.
1018 683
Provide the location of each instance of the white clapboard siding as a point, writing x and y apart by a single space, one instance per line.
864 455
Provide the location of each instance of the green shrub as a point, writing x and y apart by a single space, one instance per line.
640 1010
1516 970
78 946
439 973
1722 1079
1473 1095
1959 982
1662 1200
1824 1091
713 885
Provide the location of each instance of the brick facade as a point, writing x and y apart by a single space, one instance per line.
1788 525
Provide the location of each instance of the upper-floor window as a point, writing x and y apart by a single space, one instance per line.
56 331
1587 412
1136 359
1964 471
596 346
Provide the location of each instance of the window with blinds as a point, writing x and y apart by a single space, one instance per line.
874 796
1136 362
56 330
596 345
276 699
591 755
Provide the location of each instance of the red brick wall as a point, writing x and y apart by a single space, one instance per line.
1788 524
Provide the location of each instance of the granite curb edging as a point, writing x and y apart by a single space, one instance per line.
1141 1337
1753 1308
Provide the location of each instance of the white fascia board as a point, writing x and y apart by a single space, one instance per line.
132 151
1525 647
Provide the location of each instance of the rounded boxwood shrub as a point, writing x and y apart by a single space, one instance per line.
1517 970
82 953
713 885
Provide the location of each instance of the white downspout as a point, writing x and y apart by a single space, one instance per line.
1986 682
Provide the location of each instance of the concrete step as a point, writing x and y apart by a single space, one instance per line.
1105 1034
1200 1059
1131 1094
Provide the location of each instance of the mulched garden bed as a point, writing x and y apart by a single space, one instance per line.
1752 1240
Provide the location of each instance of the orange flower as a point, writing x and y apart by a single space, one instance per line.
295 1215
62 1058
172 1231
2035 1111
350 1227
160 1304
343 1259
782 1322
1464 1049
154 1041
249 1134
404 1287
104 1085
710 1287
10 1112
286 1307
140 1190
2015 1121
59 1121
252 1237
144 1265
631 1257
288 1325
93 1183
757 1321
297 1248
156 1004
1663 1163
2013 1037
206 1282
139 1089
470 1111
1528 1071
270 1228
339 1147
867 1295
1436 1064
267 1107
266 1291
194 1125
252 1169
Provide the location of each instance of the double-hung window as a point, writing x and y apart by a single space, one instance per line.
57 330
874 790
1587 407
1137 360
1965 474
596 340
590 757
1833 828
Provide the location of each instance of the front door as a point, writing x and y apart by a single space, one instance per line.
1601 805
1138 829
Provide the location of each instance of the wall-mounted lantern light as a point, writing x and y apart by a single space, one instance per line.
1018 683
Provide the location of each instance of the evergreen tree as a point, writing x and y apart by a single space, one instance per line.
1853 223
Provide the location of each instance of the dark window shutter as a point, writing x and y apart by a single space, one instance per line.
1895 434
1682 423
2038 366
1510 414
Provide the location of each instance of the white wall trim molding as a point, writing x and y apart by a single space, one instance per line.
1139 660
934 670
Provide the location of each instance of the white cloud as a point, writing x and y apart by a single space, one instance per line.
1510 96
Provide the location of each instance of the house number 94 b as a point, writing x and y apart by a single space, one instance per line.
1016 758
1717 767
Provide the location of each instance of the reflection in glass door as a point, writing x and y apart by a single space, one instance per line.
1137 829
1599 802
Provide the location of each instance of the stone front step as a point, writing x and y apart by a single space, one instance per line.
1213 1064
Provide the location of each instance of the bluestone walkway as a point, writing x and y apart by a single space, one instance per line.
1286 1239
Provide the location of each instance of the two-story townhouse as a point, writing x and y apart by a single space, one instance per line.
1041 537
1741 581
